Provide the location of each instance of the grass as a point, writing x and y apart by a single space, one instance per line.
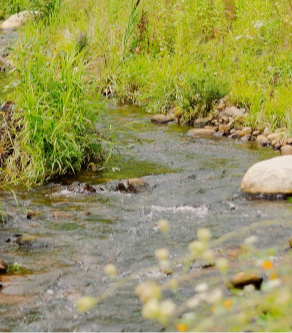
53 127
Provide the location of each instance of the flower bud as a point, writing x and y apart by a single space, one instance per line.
203 234
163 225
110 270
85 303
162 254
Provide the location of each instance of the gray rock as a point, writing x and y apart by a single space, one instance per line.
271 176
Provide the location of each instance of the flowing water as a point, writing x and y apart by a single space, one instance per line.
194 183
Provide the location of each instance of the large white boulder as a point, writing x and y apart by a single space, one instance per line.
273 176
16 20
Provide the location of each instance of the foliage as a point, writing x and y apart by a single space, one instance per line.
54 122
238 48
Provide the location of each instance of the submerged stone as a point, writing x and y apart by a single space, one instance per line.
271 176
133 185
201 132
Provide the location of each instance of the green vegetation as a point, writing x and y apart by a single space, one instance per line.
164 54
52 129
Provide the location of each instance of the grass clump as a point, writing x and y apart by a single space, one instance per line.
53 130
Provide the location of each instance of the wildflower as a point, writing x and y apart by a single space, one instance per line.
85 303
163 225
267 264
181 327
203 234
227 303
110 270
222 264
147 291
196 248
162 254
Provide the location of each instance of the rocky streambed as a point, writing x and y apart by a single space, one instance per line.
56 239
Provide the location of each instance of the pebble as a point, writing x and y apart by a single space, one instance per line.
242 279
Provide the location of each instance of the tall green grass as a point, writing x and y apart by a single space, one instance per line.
54 123
150 54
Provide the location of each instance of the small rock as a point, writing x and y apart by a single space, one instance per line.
286 150
213 128
242 279
257 132
224 128
245 131
3 267
245 138
219 134
225 119
133 185
160 119
201 132
233 112
262 140
62 215
267 131
277 145
25 240
234 135
289 141
32 214
273 136
201 122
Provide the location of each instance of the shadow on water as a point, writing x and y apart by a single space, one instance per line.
194 183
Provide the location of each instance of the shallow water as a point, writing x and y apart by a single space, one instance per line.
194 183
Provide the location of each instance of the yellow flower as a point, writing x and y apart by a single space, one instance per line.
181 327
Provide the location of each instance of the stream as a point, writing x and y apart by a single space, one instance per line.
194 183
